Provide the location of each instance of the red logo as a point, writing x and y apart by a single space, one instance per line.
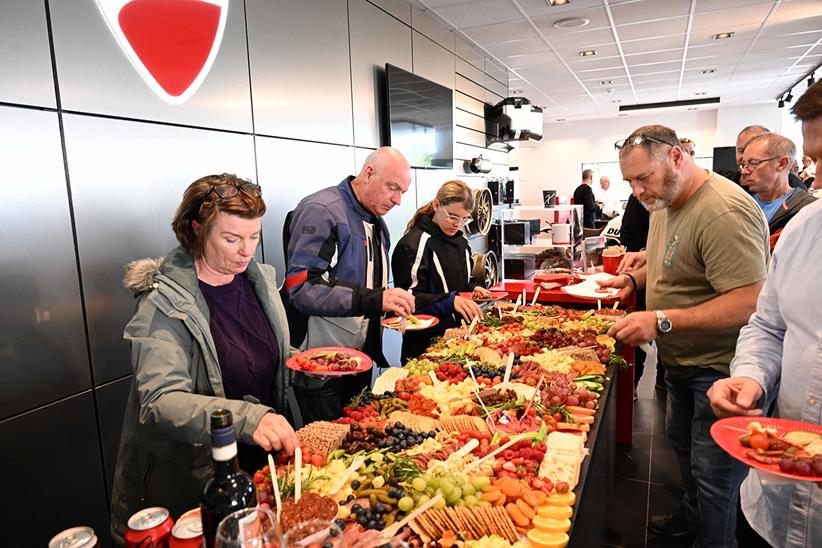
171 43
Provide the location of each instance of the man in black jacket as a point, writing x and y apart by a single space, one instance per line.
765 166
584 196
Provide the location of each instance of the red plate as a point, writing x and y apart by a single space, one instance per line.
388 322
726 433
365 361
495 296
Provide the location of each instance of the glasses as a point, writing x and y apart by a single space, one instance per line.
637 140
226 191
753 164
456 219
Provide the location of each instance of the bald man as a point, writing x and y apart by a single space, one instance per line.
742 139
337 274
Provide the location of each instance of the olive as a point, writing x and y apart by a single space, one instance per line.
356 484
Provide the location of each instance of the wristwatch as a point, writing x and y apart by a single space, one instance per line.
663 324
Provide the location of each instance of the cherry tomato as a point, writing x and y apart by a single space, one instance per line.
760 441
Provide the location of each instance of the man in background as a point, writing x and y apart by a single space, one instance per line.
688 146
337 274
778 360
584 196
707 253
607 199
742 138
765 167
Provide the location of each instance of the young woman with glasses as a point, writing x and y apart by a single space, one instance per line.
433 261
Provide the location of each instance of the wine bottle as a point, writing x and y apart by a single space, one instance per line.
229 489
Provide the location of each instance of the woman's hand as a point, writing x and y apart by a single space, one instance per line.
632 261
274 432
480 292
467 308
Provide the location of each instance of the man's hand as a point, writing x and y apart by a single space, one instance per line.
635 328
399 301
623 283
467 308
274 432
632 261
735 396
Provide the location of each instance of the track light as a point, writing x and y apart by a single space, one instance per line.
789 96
781 103
811 79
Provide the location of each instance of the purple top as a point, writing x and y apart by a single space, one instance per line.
247 347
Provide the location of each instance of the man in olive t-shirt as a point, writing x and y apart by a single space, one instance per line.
707 255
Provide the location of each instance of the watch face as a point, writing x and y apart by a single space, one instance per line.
665 326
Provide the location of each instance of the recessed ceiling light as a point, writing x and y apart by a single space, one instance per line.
701 93
516 92
616 101
606 82
588 53
571 22
558 2
560 119
722 35
624 114
693 108
708 71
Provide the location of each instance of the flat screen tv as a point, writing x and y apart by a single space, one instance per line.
421 119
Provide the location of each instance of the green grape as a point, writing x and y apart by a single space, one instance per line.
422 500
481 482
439 505
419 484
446 486
470 501
468 490
453 496
405 504
485 504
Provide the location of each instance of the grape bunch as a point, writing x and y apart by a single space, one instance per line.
420 366
552 339
456 489
803 466
587 339
487 371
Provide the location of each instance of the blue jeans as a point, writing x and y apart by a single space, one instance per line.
711 476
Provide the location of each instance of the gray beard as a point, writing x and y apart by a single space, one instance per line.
670 189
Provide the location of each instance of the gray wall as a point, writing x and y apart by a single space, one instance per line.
95 164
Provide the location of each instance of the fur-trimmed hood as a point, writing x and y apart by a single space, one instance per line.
139 275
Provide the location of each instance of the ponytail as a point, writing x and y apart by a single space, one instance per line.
451 192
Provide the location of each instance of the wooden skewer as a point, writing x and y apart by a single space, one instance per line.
298 474
355 464
392 530
536 391
508 367
493 453
276 487
599 304
469 446
536 296
616 304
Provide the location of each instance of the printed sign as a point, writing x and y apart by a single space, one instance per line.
171 43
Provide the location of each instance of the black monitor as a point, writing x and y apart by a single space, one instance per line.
725 161
421 119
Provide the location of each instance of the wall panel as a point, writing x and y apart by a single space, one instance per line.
376 39
400 9
43 354
95 76
285 180
297 93
126 188
24 44
111 407
432 28
432 61
55 477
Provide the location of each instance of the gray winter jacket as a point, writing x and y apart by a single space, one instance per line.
164 456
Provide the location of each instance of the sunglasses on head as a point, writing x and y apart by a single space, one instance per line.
637 140
226 191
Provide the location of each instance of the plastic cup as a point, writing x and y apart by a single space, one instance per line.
611 262
249 528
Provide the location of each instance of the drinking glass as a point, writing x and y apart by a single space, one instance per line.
315 532
249 528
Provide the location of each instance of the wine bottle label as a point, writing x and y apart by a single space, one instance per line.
226 452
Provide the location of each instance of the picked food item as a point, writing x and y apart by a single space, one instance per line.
412 323
474 523
609 314
613 250
322 437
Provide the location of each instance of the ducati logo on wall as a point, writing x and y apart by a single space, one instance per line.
171 43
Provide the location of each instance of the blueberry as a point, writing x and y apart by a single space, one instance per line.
328 543
356 484
333 532
379 508
342 503
372 524
349 498
356 509
380 524
399 425
339 522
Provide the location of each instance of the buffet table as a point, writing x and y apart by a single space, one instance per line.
625 387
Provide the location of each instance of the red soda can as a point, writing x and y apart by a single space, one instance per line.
149 528
188 531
